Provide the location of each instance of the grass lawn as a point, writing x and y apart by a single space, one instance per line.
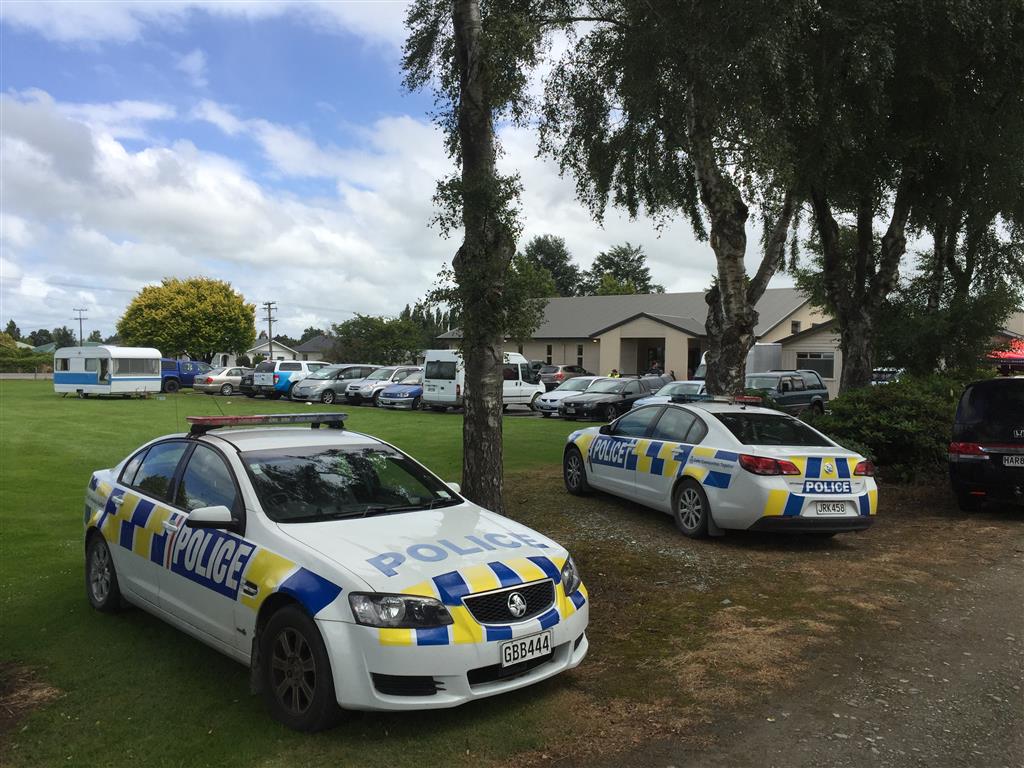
683 632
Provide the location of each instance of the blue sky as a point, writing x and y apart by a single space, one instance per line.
270 144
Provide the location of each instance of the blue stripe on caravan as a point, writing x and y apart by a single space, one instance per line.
432 636
793 506
549 568
577 599
727 456
313 591
498 633
843 467
715 479
813 467
452 587
549 619
865 504
505 575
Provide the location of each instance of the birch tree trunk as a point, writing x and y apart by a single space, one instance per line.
480 266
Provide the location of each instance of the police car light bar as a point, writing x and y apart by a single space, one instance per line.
200 425
748 399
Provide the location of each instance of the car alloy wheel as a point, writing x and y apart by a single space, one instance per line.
574 472
100 576
327 398
690 509
293 672
227 390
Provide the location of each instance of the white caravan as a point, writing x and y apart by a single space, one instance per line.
106 370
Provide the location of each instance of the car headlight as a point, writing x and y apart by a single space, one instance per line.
398 611
570 576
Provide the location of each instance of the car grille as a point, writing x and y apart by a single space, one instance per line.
492 607
495 672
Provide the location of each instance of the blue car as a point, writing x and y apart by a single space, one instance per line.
176 374
664 395
405 394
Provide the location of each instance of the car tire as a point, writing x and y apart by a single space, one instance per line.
227 390
274 396
376 399
545 415
100 576
504 407
968 503
690 509
171 386
415 403
327 397
297 684
574 472
533 401
608 413
817 409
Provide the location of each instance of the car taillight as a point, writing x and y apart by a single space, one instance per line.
559 376
966 449
762 465
209 380
277 377
864 469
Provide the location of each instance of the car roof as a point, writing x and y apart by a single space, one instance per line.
715 408
267 438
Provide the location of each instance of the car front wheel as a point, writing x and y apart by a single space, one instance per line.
171 386
227 390
100 576
297 682
574 472
327 398
690 509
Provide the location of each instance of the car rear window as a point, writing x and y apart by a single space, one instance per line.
989 411
291 366
266 366
440 369
549 369
770 429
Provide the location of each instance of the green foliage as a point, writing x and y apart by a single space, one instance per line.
620 269
95 336
7 341
311 333
432 322
244 361
369 339
16 360
904 426
13 330
549 252
198 315
257 359
526 291
64 337
40 337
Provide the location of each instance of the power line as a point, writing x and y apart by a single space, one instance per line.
269 307
81 317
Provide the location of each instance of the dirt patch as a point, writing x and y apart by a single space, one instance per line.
684 633
21 691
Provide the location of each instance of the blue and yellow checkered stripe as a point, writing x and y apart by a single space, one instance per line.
450 588
782 503
670 459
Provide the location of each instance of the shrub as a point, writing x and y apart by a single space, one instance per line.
904 426
243 360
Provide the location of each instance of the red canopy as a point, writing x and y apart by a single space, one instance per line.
1013 354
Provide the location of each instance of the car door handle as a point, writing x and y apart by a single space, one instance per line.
171 527
117 501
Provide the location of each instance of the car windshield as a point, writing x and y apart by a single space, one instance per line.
762 382
770 429
608 385
413 379
380 373
681 388
306 485
216 371
575 385
324 373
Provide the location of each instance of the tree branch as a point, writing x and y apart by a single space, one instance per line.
894 245
774 250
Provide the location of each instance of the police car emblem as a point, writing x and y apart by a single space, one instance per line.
516 604
829 468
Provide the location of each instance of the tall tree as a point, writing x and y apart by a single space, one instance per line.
478 64
671 108
620 269
199 315
377 339
64 337
39 337
311 333
95 336
13 330
549 252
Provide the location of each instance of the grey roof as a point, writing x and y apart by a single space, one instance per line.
580 317
321 343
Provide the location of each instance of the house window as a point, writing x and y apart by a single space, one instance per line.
520 349
579 355
822 362
794 326
547 354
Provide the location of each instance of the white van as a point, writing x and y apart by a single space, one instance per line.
444 380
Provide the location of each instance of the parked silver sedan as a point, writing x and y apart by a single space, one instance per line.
223 381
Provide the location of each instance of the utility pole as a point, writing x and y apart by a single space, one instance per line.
81 338
269 307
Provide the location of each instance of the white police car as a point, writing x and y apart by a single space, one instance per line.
715 465
340 569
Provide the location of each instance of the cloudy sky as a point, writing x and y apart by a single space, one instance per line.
268 144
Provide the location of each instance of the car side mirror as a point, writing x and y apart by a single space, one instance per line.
455 487
606 429
217 516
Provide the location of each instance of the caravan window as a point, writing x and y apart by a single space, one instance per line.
441 369
92 364
62 364
136 366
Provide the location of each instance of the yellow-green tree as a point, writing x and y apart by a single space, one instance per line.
199 315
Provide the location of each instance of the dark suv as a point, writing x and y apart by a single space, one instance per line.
986 456
792 391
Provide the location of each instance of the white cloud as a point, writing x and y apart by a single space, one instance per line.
378 22
193 64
